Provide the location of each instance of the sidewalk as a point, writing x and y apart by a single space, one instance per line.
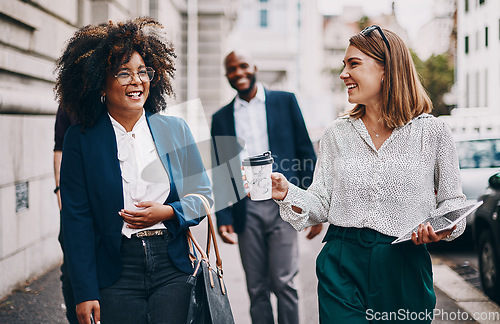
41 301
466 297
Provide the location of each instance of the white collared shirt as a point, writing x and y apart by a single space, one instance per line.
143 176
250 122
412 176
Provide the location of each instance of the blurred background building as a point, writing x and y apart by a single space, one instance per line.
284 39
478 48
478 68
437 35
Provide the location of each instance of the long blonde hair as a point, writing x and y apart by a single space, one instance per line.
403 97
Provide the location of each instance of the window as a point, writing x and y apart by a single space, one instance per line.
299 8
22 196
467 91
486 36
466 44
485 88
478 90
263 18
466 5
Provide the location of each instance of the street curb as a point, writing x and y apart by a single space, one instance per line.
466 296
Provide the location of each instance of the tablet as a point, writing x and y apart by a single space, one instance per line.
443 222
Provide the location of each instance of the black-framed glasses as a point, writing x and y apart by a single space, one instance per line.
126 77
368 30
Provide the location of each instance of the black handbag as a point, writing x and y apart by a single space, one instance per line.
209 303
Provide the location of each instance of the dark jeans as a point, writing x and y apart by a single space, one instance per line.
150 288
67 290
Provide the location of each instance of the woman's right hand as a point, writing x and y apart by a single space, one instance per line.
280 186
87 308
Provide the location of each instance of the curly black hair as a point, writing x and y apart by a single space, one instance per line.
96 51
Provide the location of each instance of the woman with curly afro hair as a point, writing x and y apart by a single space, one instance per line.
125 174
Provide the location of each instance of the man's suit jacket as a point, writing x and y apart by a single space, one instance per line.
289 143
92 196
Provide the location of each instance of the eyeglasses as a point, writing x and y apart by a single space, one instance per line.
126 77
368 30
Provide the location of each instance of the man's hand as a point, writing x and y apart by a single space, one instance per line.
57 172
227 234
87 308
426 234
314 230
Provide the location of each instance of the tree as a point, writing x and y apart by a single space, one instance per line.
363 22
437 76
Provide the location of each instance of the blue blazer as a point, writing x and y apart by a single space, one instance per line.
92 195
289 143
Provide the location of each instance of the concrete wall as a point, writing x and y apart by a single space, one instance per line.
28 237
32 33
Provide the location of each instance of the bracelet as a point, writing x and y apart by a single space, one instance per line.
56 189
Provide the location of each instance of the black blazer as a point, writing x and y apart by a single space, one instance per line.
92 195
289 143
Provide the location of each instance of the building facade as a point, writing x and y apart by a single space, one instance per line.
33 34
436 36
478 54
284 38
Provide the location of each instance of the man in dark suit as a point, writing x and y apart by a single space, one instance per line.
256 121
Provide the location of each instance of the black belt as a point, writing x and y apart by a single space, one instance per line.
148 233
365 237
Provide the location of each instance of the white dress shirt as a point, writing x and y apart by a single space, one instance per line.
412 176
143 176
250 122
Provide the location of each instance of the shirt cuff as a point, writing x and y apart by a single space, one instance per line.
293 198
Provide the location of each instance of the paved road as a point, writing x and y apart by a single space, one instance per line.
41 300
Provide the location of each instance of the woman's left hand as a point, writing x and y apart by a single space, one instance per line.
426 234
151 213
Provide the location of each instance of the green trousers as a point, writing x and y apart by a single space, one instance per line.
362 278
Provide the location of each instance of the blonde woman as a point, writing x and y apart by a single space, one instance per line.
383 168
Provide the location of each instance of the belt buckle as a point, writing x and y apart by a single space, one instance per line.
148 233
367 244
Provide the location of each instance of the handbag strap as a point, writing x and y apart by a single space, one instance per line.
210 236
192 241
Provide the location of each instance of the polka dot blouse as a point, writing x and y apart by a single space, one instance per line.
412 176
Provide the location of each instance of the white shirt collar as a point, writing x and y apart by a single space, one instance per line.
259 96
138 125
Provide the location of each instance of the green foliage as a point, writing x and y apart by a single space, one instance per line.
334 72
437 76
363 22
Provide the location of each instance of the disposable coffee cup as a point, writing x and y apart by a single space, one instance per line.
258 171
